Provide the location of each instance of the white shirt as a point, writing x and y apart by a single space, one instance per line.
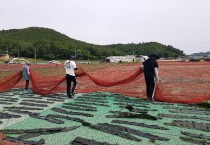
70 67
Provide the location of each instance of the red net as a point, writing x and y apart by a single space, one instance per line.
181 82
10 81
184 82
7 142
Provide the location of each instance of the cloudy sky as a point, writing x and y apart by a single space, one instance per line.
184 24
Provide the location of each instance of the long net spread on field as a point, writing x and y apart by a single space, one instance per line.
181 82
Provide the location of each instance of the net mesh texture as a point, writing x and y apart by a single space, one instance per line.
181 82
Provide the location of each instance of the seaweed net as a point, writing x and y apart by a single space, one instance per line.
181 82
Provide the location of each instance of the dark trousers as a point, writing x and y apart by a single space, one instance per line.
70 79
27 84
150 86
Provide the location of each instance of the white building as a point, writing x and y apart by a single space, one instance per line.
117 59
141 58
4 57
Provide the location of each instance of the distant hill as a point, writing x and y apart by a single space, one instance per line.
49 44
201 54
148 48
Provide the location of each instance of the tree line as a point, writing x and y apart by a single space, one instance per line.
49 44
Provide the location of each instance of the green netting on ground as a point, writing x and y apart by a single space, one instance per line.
114 102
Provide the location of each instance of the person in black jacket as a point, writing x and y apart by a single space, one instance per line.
150 67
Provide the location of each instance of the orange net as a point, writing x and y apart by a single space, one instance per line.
10 81
181 82
184 82
6 142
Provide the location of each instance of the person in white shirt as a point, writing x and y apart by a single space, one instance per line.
70 67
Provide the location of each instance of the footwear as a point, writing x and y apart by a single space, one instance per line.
25 91
70 96
150 99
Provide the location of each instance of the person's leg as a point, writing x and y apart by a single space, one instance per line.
74 84
151 88
68 85
147 86
27 84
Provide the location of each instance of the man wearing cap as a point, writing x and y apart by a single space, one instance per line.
70 67
150 67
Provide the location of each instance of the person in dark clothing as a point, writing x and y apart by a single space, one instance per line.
70 67
150 67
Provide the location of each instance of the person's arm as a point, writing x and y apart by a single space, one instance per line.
28 70
64 65
142 66
156 75
75 66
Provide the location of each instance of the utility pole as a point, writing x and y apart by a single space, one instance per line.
133 54
35 54
133 51
75 51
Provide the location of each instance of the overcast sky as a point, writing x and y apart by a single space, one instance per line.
184 24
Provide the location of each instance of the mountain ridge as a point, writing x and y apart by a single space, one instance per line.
50 44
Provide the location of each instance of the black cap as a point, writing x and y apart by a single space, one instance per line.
153 56
71 57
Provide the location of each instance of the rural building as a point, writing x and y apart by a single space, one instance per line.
18 60
141 58
117 59
127 58
4 57
207 58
